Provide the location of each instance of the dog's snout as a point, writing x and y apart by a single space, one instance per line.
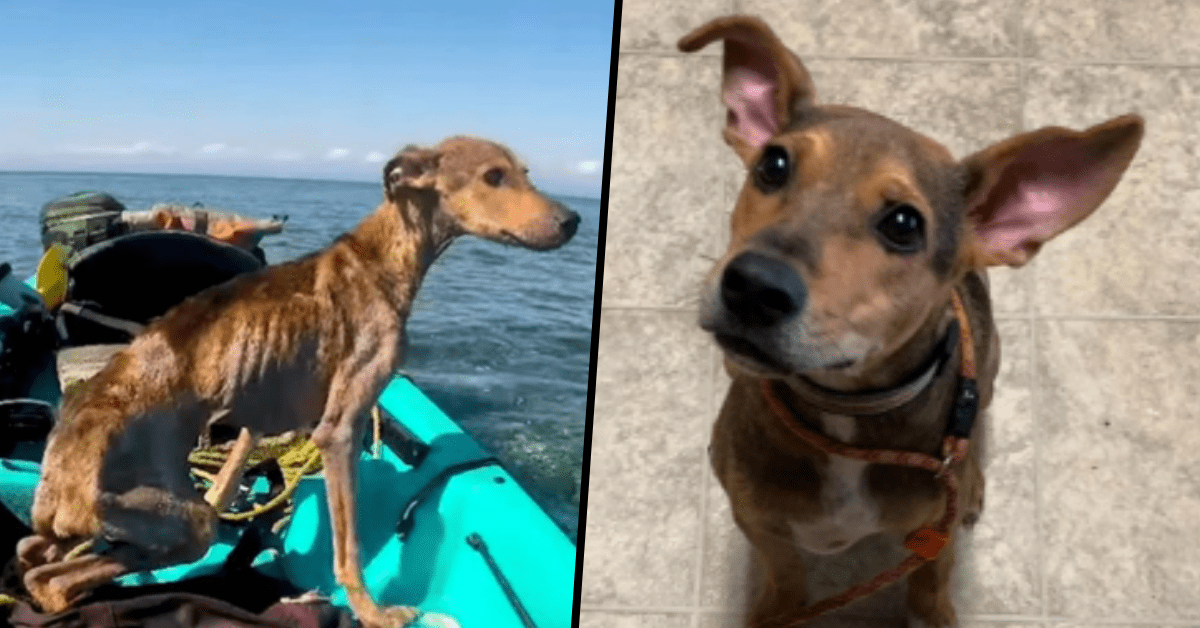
760 290
569 223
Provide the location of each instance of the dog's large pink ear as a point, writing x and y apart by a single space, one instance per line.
412 167
764 84
1026 190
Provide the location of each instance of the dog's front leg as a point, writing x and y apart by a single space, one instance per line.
785 590
929 603
340 455
221 493
339 437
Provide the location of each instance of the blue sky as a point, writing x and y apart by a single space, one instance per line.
301 89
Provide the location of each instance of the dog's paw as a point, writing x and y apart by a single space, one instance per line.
437 620
390 617
33 551
974 510
51 599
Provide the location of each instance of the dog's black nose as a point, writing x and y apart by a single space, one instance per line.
761 291
570 223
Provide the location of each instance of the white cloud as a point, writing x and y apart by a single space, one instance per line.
140 148
216 149
588 167
287 155
337 154
374 157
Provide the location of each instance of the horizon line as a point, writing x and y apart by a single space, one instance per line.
243 176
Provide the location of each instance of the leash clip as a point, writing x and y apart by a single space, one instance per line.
947 460
954 449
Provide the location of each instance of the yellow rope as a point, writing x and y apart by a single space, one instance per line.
296 456
79 550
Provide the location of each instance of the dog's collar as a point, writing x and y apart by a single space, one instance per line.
878 401
966 396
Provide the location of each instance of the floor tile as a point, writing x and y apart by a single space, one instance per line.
1120 486
648 439
973 28
667 190
998 560
1136 254
1112 30
658 24
603 619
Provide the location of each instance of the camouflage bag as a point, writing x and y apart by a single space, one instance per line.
81 220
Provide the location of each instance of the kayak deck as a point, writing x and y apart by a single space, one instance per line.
433 567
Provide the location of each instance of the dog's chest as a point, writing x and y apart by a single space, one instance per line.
848 512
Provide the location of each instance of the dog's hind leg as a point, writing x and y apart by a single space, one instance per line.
145 528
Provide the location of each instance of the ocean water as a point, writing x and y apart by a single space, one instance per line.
499 336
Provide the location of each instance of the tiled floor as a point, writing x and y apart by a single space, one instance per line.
1093 512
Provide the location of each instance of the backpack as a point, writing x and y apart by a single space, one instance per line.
81 219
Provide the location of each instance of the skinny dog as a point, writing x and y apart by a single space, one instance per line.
304 345
853 311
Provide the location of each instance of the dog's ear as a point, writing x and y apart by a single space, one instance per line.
764 85
412 167
1026 190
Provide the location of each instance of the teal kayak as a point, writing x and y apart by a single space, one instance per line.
443 526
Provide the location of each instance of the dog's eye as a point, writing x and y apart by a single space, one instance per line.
494 177
773 169
902 228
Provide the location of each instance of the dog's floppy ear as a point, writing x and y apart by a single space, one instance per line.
1026 190
764 85
412 167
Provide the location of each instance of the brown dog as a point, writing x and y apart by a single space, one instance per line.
304 345
850 236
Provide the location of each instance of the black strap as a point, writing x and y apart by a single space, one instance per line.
405 525
24 420
400 440
111 322
28 340
476 542
965 410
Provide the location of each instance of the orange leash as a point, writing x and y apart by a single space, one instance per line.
926 542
